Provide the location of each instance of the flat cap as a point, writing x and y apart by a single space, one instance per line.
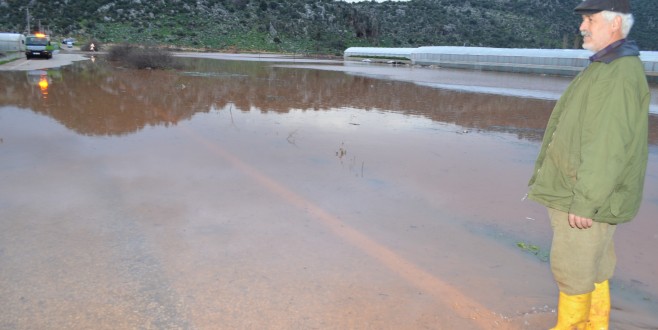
595 6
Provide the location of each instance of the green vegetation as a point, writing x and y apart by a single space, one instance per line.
534 249
3 61
318 26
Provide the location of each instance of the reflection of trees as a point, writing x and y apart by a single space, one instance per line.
98 100
94 100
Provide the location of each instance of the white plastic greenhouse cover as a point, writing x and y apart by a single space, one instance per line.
530 52
379 51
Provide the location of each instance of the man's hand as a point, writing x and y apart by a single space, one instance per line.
579 222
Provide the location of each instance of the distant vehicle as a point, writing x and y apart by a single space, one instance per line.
38 45
69 44
67 40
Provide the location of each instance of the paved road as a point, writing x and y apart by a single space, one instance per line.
64 57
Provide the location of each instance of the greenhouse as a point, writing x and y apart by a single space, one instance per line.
542 61
360 53
12 42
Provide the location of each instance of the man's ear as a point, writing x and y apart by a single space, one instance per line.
616 23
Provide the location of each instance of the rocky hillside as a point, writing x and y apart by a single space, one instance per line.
317 26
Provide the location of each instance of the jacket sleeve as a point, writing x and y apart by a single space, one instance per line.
607 128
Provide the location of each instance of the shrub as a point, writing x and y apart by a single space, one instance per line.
119 52
143 57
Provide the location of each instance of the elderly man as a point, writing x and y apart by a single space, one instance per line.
591 166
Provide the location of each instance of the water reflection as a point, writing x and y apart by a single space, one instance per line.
43 83
93 98
41 79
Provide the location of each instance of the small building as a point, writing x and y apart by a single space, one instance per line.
12 42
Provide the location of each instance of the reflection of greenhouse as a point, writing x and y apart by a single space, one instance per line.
543 61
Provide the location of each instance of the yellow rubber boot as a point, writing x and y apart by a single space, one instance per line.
599 313
573 311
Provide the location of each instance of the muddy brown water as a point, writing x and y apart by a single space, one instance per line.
254 195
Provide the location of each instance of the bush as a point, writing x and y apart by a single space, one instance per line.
119 52
143 57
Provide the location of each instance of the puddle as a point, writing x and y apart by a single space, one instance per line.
248 194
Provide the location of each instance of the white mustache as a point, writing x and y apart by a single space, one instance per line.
585 34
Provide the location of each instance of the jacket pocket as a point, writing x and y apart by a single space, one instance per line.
623 204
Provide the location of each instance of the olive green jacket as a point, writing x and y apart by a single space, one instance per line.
594 153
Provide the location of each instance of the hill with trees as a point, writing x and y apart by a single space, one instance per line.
317 26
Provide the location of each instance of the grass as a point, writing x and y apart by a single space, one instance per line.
7 60
534 249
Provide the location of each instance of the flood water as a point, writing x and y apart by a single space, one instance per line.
257 195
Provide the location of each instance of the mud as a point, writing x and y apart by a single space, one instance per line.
264 194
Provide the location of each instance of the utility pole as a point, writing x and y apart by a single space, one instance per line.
28 21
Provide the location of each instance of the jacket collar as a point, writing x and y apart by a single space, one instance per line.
615 50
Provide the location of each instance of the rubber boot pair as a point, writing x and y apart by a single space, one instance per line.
599 313
584 311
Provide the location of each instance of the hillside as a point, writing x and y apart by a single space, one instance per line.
317 26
